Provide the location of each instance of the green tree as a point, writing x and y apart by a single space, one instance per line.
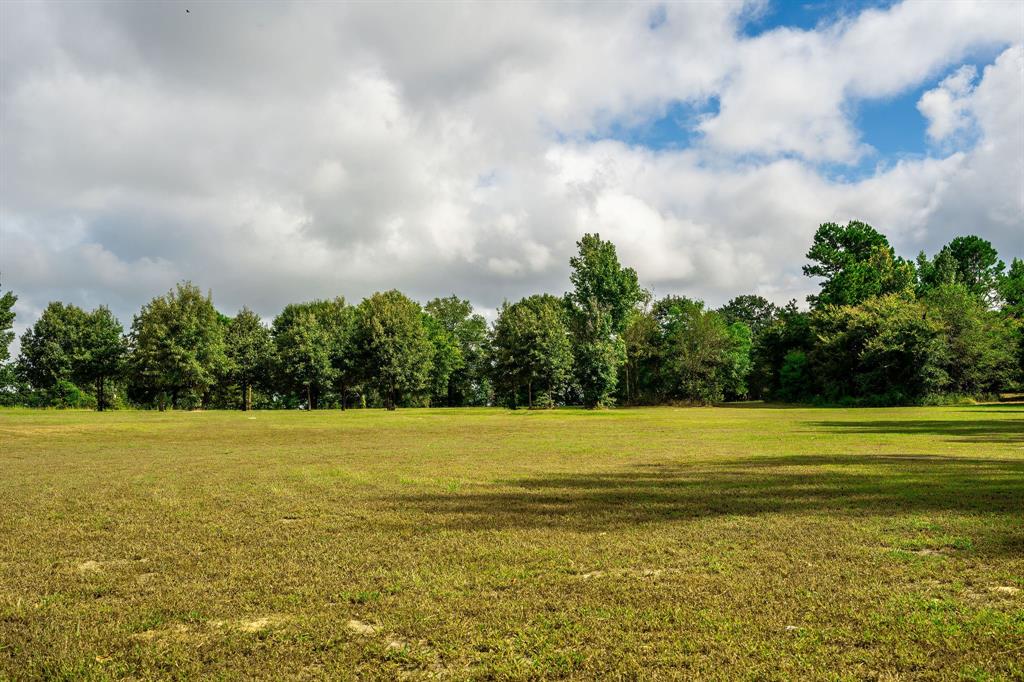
603 296
756 312
789 333
642 338
696 350
856 263
7 301
251 352
882 351
738 362
393 346
447 360
977 266
7 379
469 383
177 348
975 346
939 271
304 348
1011 289
532 351
101 356
51 347
341 324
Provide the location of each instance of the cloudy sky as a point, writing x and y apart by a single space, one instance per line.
281 152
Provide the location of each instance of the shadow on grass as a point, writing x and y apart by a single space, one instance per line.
973 430
854 485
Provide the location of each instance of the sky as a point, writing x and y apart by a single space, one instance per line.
281 152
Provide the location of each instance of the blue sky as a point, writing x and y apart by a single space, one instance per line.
892 126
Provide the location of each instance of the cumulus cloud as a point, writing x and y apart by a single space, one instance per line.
279 152
946 107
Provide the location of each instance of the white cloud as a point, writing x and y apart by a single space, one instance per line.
279 152
946 107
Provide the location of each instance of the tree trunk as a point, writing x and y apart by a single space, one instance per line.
248 397
627 380
344 390
309 397
529 394
99 394
391 399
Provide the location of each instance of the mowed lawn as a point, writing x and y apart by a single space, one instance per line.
722 543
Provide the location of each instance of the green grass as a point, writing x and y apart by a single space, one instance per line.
727 543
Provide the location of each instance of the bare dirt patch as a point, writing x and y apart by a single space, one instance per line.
360 628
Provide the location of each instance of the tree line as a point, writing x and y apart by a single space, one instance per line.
882 330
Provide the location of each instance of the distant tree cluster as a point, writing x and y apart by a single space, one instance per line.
881 330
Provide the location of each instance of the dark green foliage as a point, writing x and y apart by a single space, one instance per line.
879 332
468 382
1011 289
447 359
100 360
975 346
532 352
756 312
7 301
969 261
739 362
603 296
68 347
790 332
977 266
642 337
698 352
50 347
882 350
794 378
8 377
251 355
394 349
856 263
303 346
177 347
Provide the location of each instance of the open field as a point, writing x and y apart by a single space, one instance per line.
736 542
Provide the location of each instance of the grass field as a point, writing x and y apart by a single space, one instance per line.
724 543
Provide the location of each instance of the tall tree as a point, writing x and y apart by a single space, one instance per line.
1011 289
696 354
177 347
7 301
532 351
974 345
856 263
604 294
339 318
51 347
468 384
756 312
447 359
641 338
304 347
970 261
780 366
102 354
250 352
977 266
393 347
